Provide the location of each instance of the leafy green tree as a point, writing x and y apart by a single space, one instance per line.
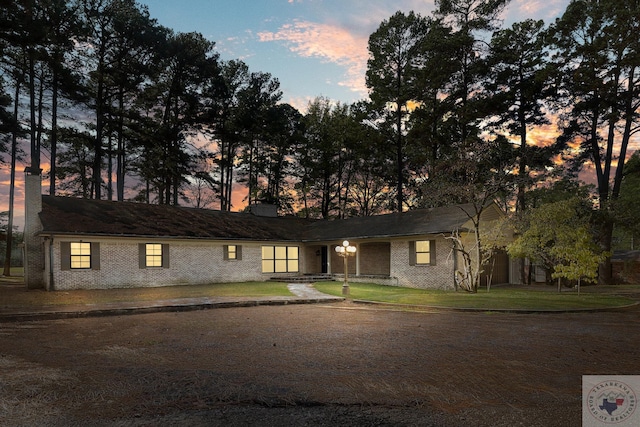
340 162
598 48
579 258
134 52
430 136
559 237
25 36
7 122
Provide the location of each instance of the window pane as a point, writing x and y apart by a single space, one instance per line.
423 258
422 246
293 266
267 252
293 252
281 252
231 252
281 266
154 249
80 262
78 248
267 266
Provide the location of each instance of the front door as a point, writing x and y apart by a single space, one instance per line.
324 259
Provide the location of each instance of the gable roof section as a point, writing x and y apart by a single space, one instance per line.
74 216
67 215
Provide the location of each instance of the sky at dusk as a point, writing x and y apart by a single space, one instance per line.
313 47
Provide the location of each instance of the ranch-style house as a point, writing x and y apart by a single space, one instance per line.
73 243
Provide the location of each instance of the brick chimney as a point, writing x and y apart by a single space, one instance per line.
264 209
33 244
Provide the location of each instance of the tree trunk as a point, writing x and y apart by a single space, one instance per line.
400 165
12 187
54 131
35 152
121 166
604 269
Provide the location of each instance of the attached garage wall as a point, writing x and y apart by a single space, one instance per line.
500 265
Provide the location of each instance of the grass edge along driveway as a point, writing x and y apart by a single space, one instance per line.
521 298
498 298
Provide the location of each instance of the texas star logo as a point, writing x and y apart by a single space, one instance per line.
611 401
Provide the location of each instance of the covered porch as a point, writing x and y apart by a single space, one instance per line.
371 262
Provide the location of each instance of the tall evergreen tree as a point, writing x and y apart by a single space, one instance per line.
174 100
469 21
392 75
257 99
518 86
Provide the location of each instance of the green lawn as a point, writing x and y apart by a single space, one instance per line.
497 298
24 297
536 298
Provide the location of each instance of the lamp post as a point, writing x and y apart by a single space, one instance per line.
345 251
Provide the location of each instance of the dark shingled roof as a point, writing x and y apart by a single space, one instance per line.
66 215
410 223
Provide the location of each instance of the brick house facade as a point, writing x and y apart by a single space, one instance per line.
75 243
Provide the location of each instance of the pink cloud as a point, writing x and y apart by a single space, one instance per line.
520 10
329 43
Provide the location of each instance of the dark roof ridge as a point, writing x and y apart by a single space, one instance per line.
76 216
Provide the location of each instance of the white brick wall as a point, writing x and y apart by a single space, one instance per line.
439 276
198 262
190 263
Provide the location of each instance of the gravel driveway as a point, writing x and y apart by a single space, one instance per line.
324 364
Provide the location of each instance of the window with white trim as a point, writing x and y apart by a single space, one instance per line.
80 253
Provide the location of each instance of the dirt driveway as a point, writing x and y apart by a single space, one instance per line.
331 364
